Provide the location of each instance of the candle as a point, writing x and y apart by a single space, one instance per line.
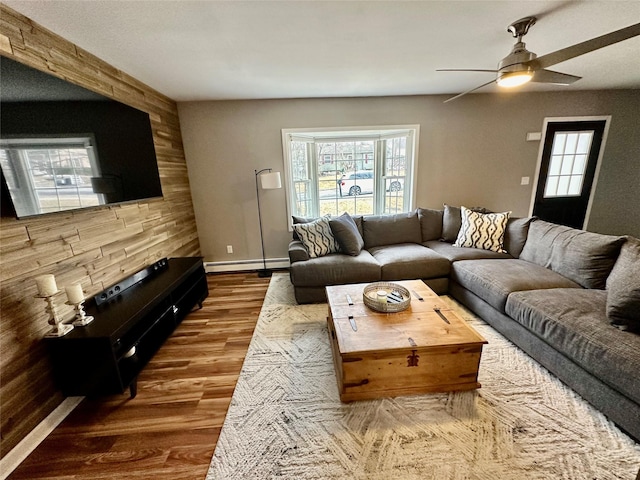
382 296
46 285
75 294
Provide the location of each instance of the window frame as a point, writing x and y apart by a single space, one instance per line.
27 196
328 134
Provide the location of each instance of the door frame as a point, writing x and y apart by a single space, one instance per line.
545 123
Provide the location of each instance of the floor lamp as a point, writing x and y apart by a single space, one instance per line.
268 181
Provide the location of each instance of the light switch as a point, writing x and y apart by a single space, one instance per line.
524 181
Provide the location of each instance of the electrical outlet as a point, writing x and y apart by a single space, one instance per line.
524 181
229 248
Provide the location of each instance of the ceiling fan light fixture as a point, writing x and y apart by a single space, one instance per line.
514 79
522 66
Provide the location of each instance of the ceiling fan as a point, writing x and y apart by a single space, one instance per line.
522 66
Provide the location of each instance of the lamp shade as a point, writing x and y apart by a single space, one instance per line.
270 181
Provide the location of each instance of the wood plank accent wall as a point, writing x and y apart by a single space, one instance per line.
96 247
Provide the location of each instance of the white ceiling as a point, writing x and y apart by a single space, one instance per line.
211 50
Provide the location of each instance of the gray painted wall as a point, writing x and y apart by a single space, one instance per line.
473 152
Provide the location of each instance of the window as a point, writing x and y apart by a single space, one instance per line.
363 171
568 164
50 174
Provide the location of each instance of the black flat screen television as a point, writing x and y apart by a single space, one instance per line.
63 147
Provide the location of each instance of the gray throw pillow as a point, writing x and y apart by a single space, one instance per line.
430 223
623 288
451 223
346 232
515 235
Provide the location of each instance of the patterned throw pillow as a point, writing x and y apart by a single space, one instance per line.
482 230
317 237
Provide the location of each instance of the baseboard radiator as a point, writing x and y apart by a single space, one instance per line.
245 265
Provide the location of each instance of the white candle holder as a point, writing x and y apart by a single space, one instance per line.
82 319
59 329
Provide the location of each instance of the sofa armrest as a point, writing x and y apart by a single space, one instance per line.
297 252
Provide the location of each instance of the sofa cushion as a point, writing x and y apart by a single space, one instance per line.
493 280
515 235
623 285
430 223
346 233
391 229
462 253
584 257
317 237
409 261
335 269
575 323
482 230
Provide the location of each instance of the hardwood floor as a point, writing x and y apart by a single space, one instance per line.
169 431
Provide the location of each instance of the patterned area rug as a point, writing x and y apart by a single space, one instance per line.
286 420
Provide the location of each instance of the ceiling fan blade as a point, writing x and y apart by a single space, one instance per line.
469 91
464 70
549 76
578 49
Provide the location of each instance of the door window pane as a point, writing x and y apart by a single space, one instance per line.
568 164
575 185
556 163
563 186
551 187
584 143
579 164
558 144
571 143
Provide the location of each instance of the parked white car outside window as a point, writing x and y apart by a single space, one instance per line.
359 183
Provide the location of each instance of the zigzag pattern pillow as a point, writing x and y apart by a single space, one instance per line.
317 237
482 230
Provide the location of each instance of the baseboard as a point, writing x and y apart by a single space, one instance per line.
245 265
16 456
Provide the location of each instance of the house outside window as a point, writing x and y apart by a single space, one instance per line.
359 171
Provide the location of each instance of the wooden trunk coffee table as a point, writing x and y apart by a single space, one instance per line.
425 348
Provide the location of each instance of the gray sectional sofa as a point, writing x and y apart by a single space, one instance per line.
567 297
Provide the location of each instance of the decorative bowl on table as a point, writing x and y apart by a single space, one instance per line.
386 297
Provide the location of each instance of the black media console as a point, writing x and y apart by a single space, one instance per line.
132 320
